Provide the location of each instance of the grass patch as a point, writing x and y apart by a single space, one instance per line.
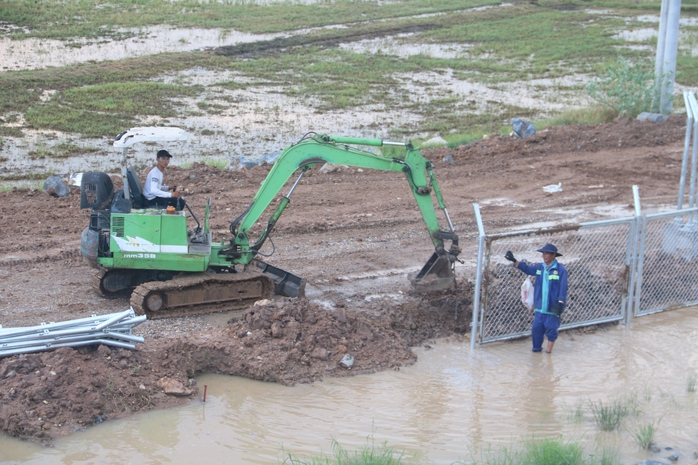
609 417
30 185
369 454
576 414
221 164
94 19
537 452
628 88
590 115
62 150
645 434
106 109
11 131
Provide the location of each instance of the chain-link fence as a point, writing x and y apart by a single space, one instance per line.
657 253
668 262
597 259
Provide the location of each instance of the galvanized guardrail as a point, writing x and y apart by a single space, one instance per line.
112 330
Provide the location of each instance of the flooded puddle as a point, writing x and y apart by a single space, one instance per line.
452 403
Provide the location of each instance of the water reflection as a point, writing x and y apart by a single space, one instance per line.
452 403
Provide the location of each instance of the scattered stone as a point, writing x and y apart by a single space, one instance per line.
320 353
55 188
347 361
673 457
437 141
653 117
172 387
448 159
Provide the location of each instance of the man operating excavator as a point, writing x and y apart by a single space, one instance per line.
155 193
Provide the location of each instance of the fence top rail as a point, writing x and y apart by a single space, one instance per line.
563 228
535 231
684 211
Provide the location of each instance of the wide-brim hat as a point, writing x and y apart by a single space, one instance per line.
163 154
551 249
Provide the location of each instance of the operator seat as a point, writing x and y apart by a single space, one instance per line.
136 187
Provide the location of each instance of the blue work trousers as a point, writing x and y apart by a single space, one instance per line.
544 325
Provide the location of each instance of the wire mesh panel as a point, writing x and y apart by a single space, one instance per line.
668 267
597 258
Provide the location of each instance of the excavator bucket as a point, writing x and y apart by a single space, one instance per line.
435 275
285 282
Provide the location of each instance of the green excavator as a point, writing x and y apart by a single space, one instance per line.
173 271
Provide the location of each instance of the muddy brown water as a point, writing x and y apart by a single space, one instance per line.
452 403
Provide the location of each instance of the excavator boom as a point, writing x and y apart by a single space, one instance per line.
320 149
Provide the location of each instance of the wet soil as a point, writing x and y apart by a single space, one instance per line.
353 234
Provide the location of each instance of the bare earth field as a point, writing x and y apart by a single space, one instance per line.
353 234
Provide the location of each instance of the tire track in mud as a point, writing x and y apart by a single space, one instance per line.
330 40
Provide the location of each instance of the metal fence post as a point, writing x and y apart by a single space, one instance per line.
478 275
686 147
633 259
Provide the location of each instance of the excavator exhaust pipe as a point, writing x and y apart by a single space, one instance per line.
436 275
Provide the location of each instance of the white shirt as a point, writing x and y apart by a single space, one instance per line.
153 185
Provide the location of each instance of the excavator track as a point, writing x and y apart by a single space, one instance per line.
199 294
111 284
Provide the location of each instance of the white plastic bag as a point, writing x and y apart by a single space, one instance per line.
527 293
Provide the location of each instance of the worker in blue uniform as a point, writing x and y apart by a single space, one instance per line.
549 295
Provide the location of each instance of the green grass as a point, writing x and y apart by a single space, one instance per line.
221 164
63 150
31 185
610 416
83 18
541 452
645 434
369 454
101 99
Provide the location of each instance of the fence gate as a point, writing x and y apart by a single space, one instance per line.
668 265
597 255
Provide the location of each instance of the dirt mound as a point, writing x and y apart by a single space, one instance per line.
51 394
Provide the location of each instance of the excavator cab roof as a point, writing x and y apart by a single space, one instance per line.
149 134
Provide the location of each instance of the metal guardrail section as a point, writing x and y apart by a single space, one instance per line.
597 257
668 262
111 330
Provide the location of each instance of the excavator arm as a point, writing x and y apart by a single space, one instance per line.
315 149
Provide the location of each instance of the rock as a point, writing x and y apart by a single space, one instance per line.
448 159
651 462
522 128
653 117
172 387
320 353
347 361
55 188
435 142
673 457
277 330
